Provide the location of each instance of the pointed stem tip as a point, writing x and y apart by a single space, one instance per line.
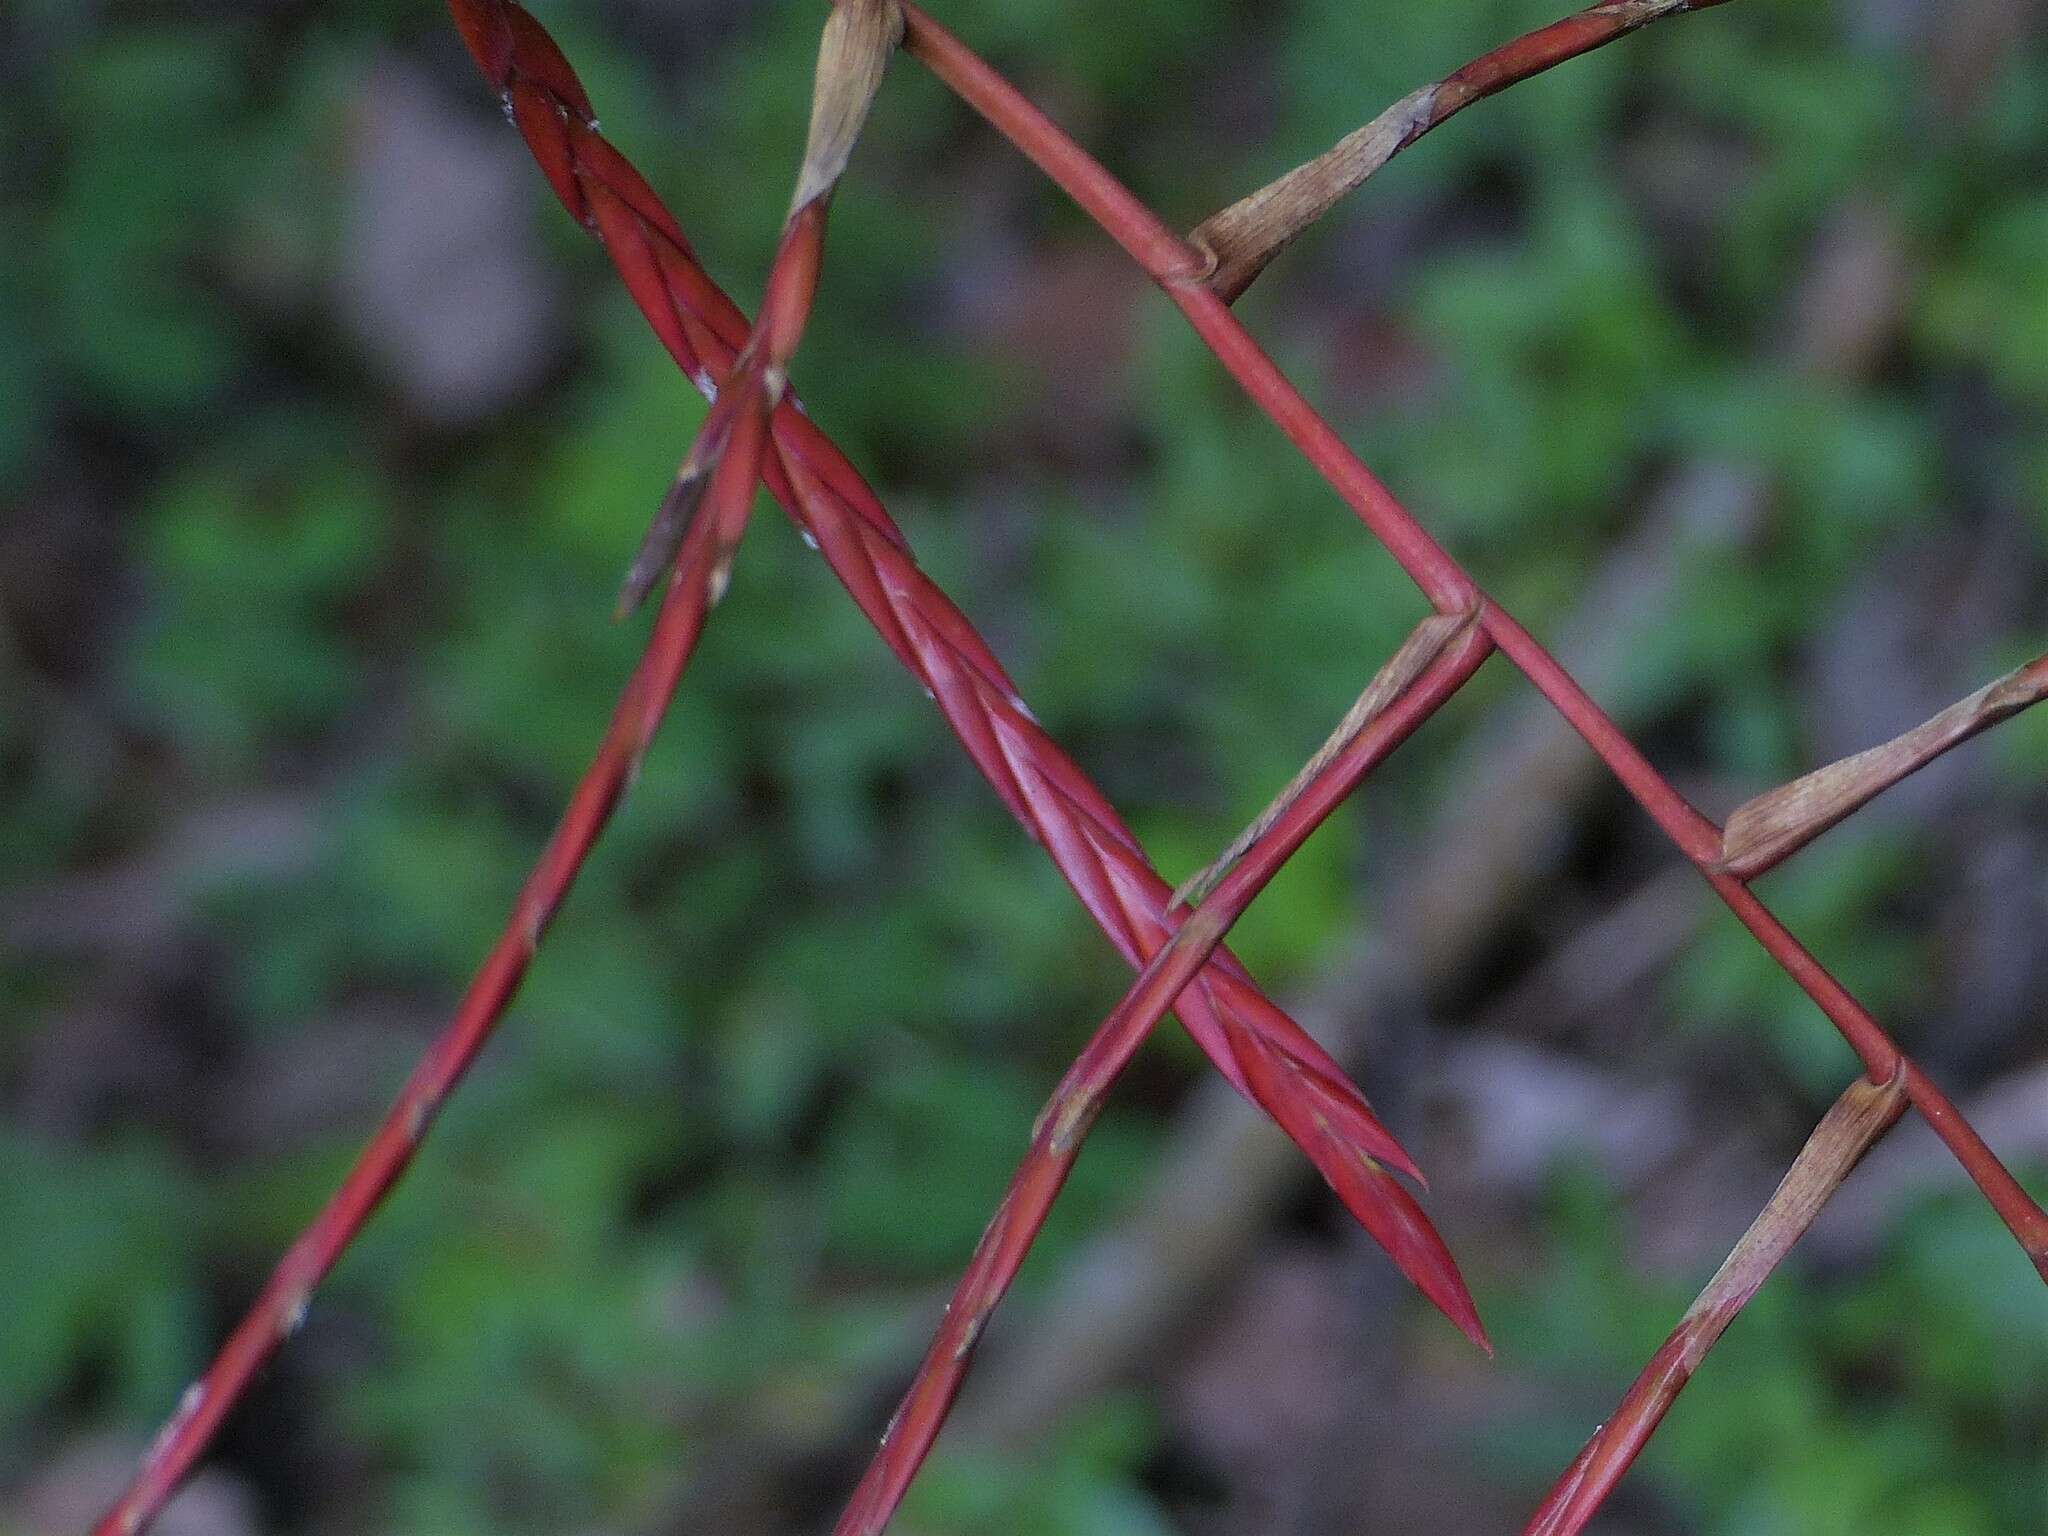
663 540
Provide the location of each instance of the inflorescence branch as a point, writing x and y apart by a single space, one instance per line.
1442 652
756 432
1240 240
1177 267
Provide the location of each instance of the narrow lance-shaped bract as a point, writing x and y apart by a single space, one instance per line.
1864 1112
853 53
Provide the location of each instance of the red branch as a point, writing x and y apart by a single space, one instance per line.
1262 1052
1452 653
1178 268
1250 1039
826 495
281 1306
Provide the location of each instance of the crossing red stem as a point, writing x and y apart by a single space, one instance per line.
1178 268
1056 1138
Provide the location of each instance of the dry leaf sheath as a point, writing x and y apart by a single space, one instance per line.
1240 240
1775 825
1864 1112
1416 652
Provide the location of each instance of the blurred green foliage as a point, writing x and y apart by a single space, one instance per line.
775 1061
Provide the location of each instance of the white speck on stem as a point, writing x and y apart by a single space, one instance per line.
971 1336
810 539
1018 704
705 385
188 1406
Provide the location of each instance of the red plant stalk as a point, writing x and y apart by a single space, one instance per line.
1180 269
1240 240
695 320
1041 786
1863 1113
1443 652
704 332
281 1306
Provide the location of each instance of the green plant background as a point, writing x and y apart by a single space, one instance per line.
298 661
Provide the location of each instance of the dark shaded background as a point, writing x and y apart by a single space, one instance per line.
1721 357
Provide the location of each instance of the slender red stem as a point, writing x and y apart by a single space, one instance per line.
281 1306
1252 1043
705 332
1056 1139
1177 267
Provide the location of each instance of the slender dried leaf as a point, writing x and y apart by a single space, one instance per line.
1766 831
1864 1112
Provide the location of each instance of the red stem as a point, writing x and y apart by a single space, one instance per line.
1176 266
704 332
696 321
278 1310
1056 1139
